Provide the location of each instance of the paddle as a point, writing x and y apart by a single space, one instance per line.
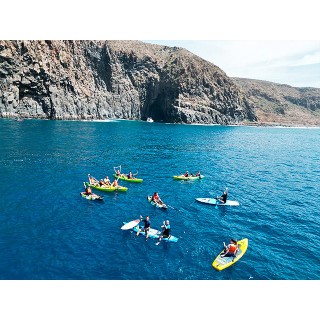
137 171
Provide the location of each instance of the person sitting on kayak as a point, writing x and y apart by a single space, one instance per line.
156 198
130 176
93 181
166 230
186 174
146 227
198 174
231 249
106 181
223 197
115 183
118 173
101 183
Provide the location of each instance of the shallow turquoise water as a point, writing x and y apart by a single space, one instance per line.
49 232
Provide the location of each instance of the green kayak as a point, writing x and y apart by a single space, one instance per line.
125 178
182 177
108 189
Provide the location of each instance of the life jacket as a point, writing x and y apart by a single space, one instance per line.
155 197
233 248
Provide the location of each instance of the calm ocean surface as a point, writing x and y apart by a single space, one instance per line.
48 231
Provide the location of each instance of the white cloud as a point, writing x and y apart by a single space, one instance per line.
263 60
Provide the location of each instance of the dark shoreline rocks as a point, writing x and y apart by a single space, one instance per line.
83 80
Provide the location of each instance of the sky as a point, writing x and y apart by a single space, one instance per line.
265 40
296 63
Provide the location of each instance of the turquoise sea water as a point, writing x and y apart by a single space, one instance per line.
47 231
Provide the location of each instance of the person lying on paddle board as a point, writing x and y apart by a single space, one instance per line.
166 230
231 249
223 197
146 227
156 198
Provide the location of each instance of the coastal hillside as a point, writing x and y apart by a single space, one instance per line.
115 79
279 104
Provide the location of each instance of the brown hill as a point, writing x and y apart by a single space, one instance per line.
279 104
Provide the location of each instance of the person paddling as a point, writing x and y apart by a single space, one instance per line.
115 183
88 190
223 197
231 249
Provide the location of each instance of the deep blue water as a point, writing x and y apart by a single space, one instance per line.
47 231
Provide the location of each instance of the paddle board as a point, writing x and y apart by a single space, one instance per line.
214 202
130 224
221 263
153 233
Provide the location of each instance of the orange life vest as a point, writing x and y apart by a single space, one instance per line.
232 248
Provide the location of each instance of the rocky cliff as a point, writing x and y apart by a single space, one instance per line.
115 79
281 104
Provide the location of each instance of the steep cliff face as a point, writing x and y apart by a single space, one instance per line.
281 104
115 79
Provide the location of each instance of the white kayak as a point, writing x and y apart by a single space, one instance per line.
217 202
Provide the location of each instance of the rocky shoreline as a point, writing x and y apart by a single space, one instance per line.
88 80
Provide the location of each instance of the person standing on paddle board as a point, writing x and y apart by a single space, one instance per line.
223 197
166 230
231 249
146 227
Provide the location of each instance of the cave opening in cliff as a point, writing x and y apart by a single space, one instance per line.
157 109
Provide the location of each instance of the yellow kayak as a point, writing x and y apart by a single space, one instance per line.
221 263
108 189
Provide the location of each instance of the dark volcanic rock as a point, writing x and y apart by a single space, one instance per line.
115 79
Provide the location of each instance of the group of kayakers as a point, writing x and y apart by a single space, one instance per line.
229 250
187 174
104 183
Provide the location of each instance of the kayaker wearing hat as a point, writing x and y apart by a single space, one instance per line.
166 229
231 249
